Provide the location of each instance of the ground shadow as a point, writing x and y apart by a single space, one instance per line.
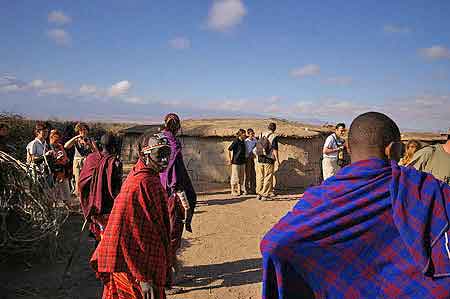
290 192
230 274
199 212
287 198
44 278
221 192
228 201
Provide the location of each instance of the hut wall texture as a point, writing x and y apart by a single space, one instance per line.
129 148
207 161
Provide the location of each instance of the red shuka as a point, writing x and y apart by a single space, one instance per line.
136 239
99 183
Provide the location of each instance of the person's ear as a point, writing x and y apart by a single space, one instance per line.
394 151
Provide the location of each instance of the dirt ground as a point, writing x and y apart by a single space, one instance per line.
220 258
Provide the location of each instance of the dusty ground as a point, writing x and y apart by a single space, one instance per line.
221 258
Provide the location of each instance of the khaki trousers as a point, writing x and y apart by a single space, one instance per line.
237 179
264 179
329 167
77 165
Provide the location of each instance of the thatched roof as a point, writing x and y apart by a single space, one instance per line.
229 127
141 129
425 137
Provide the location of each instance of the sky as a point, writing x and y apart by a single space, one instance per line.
313 61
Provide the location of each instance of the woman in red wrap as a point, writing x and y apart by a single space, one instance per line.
99 183
132 257
182 197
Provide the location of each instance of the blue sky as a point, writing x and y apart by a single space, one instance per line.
301 60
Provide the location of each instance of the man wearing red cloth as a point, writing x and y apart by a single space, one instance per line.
132 257
100 182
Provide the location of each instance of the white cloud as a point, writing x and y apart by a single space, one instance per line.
344 80
303 106
389 28
307 70
432 110
274 99
119 88
134 100
60 37
173 103
440 75
9 83
58 17
225 14
51 88
86 89
435 52
7 79
37 83
38 86
10 88
180 43
331 109
231 105
270 105
427 100
273 108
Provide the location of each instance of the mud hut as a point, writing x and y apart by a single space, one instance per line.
424 138
205 149
130 137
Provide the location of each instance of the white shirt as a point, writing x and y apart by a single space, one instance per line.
36 148
332 142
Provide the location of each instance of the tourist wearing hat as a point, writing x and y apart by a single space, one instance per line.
83 145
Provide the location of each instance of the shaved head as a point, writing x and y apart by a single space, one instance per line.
370 134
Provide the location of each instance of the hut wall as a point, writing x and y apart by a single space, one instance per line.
129 148
207 161
300 164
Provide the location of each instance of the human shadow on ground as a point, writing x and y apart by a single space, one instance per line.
199 212
228 201
290 192
206 193
185 244
229 274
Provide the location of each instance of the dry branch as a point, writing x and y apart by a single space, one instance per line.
31 215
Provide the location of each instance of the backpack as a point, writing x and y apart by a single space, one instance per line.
263 146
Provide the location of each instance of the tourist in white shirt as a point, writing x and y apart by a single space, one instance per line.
37 148
333 144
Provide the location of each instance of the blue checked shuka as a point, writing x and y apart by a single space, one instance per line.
375 230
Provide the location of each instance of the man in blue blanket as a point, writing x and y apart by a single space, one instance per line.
374 230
